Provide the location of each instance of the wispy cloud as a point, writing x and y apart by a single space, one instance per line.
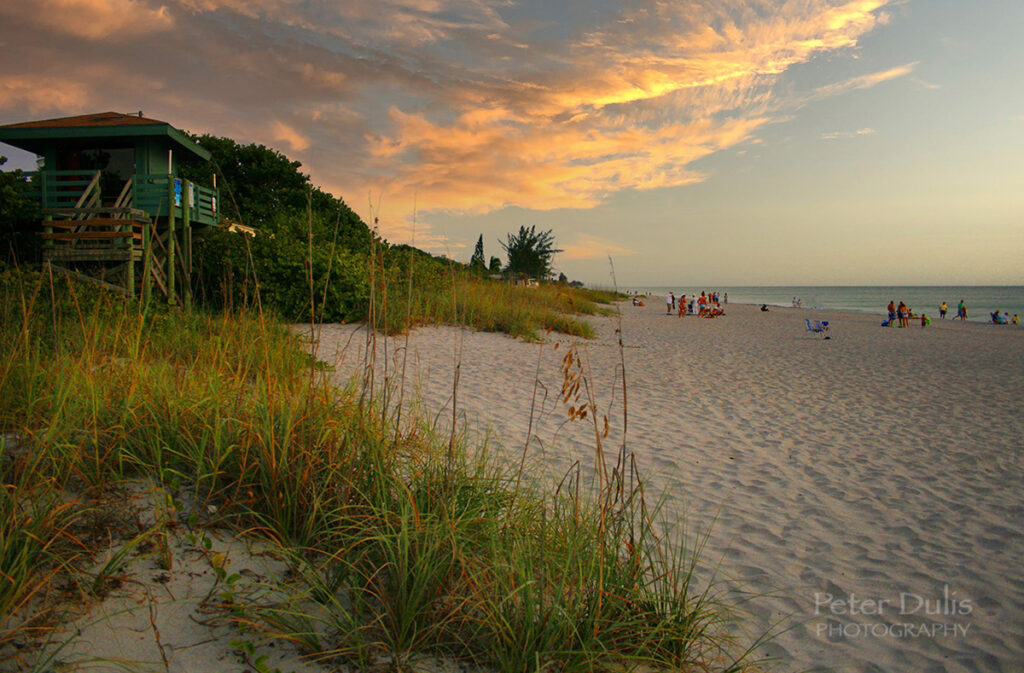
925 85
862 81
837 135
586 246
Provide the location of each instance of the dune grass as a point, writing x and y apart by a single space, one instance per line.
441 296
400 544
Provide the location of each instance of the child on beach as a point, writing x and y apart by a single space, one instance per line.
942 310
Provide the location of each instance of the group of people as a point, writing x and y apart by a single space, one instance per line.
704 306
903 314
1004 318
961 310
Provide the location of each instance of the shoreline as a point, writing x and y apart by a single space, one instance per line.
981 300
880 315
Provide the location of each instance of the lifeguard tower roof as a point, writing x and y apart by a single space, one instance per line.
37 136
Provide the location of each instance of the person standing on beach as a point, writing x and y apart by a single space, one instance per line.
682 306
670 301
892 312
942 310
961 310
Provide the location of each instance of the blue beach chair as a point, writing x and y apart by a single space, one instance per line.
818 327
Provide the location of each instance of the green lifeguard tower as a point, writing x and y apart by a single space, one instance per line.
114 209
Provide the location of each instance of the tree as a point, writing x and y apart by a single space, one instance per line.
256 182
563 279
267 185
530 252
303 235
19 218
494 266
476 262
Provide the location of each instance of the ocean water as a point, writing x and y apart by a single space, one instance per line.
980 300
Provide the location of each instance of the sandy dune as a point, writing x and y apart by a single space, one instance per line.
869 485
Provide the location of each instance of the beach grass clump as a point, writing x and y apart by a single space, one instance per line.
460 570
33 523
400 544
444 297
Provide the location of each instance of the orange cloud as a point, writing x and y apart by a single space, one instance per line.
287 134
98 19
42 95
475 166
631 107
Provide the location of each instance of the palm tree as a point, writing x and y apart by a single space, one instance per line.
530 252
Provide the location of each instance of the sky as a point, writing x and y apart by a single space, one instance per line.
664 142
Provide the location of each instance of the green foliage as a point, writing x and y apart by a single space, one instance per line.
260 186
308 257
258 182
530 252
19 215
494 266
297 276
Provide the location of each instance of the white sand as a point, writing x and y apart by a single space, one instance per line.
882 465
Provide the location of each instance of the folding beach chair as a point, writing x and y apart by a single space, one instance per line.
818 327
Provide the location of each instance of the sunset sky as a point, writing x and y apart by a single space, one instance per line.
719 142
